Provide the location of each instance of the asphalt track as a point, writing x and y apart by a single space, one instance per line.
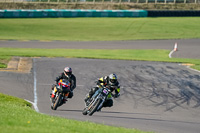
155 96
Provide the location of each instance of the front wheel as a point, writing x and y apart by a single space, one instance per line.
84 112
94 107
57 101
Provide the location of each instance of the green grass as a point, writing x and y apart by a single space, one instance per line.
4 60
92 29
2 65
17 116
155 55
144 55
197 67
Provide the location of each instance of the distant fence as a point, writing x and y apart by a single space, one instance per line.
53 13
167 13
106 1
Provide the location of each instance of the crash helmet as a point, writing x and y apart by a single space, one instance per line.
112 79
68 71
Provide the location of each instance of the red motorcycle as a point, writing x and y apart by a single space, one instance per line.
61 91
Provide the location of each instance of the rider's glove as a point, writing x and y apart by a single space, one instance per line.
116 95
108 86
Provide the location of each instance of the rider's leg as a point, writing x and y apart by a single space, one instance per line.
71 94
108 103
91 92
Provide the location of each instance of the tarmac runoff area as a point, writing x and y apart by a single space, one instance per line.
19 64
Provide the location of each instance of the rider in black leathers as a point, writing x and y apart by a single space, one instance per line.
67 74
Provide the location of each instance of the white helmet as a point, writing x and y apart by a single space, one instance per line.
112 79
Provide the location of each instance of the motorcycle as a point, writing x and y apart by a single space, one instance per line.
61 91
95 103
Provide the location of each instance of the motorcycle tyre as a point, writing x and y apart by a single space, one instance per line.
84 112
57 101
95 105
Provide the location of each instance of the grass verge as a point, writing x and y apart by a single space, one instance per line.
122 54
4 60
16 115
100 29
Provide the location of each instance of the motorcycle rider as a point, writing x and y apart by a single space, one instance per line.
67 74
111 83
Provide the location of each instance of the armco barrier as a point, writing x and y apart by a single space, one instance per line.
53 13
166 13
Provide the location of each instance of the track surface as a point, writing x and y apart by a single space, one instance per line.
155 96
188 48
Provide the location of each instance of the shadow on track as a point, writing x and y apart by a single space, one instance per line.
144 119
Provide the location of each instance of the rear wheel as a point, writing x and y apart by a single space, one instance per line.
94 107
57 101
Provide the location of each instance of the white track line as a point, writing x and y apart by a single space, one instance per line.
35 86
170 54
193 69
190 68
35 106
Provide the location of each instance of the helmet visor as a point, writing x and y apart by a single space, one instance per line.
68 73
113 80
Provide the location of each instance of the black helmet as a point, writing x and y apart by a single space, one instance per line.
68 71
112 79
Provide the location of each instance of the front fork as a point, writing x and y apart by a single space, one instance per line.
101 105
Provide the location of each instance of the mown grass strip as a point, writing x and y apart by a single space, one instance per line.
16 115
99 29
123 54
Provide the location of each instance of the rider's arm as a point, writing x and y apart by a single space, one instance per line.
59 77
73 82
100 81
117 90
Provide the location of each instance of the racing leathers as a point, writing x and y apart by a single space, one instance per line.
104 81
71 79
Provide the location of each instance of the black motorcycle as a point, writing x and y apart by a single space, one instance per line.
95 103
